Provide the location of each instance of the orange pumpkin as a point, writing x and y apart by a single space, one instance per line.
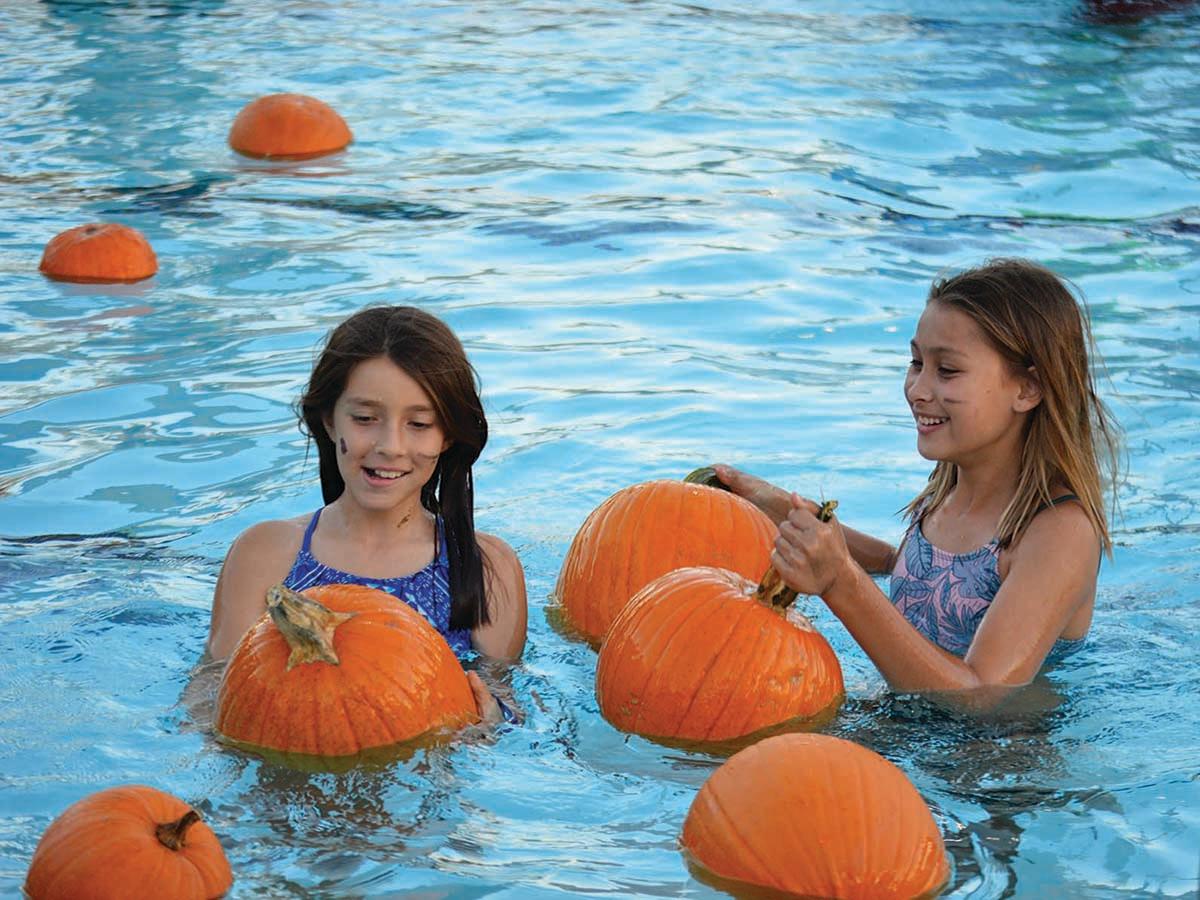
818 816
99 252
288 126
696 656
647 530
129 841
338 670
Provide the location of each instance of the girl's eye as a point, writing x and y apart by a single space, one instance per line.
361 419
947 371
914 364
421 424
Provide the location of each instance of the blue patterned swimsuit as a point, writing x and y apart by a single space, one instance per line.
945 595
426 591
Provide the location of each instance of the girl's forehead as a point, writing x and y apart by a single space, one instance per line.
382 381
944 327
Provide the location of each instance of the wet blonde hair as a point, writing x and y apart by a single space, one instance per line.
1034 320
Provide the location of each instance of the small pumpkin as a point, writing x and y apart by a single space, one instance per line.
99 252
647 530
699 655
817 816
338 670
128 842
288 126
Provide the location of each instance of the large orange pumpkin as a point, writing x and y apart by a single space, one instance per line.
338 670
697 656
818 816
99 252
288 126
128 842
647 530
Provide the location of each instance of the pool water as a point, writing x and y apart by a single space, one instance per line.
668 234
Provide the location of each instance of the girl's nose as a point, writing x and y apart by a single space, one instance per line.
391 440
916 387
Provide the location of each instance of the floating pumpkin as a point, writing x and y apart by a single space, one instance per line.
647 530
288 126
818 816
696 656
128 841
338 670
99 252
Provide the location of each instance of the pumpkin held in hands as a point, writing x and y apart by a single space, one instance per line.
698 655
647 530
338 670
128 841
99 252
817 816
288 126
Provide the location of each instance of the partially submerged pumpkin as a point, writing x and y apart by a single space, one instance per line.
817 816
99 252
647 530
705 654
128 841
288 126
338 670
700 655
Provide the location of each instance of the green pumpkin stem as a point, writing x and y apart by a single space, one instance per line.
171 834
771 590
307 626
707 476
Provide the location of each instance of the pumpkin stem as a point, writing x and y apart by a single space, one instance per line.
707 476
771 590
307 625
171 834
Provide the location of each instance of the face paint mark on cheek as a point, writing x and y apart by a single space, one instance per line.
342 445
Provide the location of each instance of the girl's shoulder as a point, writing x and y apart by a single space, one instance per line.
272 539
497 554
1059 531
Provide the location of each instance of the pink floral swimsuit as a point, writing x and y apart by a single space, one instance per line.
945 595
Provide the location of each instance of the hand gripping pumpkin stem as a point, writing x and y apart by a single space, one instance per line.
171 834
307 626
771 590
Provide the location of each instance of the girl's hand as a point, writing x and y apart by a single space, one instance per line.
770 499
810 555
489 709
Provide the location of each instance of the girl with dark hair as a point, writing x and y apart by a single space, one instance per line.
996 574
393 409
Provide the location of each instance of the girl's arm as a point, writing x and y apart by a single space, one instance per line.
259 558
875 556
504 580
1051 574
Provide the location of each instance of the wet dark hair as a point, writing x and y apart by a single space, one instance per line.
429 352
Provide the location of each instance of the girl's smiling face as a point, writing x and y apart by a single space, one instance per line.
967 402
386 435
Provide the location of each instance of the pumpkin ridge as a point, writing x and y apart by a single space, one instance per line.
364 708
632 612
407 690
581 574
719 719
732 831
777 650
701 682
346 726
622 584
679 618
810 853
254 717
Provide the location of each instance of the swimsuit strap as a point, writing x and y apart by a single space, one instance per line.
306 547
1057 500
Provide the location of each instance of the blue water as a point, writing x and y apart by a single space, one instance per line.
668 234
